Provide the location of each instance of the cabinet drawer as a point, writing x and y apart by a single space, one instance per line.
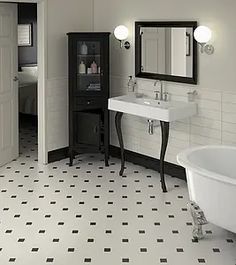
89 103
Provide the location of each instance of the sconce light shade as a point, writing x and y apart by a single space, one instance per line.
121 32
202 34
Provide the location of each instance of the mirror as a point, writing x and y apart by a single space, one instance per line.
166 51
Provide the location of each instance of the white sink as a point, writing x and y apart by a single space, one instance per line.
153 109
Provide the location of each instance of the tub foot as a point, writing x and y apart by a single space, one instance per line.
199 220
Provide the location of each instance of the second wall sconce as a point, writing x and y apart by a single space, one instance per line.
202 35
121 33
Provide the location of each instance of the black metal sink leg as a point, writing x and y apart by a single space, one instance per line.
165 137
120 138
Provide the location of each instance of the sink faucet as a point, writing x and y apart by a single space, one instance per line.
163 95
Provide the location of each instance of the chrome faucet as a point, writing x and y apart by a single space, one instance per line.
160 95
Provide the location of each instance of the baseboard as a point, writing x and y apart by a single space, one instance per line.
57 155
139 159
149 162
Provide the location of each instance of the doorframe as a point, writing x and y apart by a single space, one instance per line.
42 76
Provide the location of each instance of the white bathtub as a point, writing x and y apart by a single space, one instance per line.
211 177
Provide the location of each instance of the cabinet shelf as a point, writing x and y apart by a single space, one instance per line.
89 55
88 75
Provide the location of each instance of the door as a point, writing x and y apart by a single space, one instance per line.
153 50
9 148
87 128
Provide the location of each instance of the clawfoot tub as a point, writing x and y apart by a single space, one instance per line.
211 178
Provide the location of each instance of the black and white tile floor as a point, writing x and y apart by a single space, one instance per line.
87 214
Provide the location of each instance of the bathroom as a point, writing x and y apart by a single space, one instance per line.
54 217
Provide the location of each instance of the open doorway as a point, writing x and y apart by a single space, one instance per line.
9 76
28 79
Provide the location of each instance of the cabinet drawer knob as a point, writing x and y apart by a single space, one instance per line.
88 102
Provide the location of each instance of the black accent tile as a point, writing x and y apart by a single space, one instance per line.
175 232
50 260
143 249
201 261
163 260
71 250
78 216
34 249
141 231
107 249
179 249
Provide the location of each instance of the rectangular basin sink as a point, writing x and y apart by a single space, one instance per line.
153 109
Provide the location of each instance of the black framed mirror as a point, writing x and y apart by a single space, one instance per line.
166 50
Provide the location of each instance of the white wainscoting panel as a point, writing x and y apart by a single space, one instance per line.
215 122
57 118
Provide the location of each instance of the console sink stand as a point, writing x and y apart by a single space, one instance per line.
165 137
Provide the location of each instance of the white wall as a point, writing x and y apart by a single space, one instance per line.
216 119
63 16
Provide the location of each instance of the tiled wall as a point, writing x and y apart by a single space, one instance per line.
215 122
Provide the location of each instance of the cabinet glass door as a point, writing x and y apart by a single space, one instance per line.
89 66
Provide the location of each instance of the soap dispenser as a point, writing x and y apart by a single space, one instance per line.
82 68
94 68
131 84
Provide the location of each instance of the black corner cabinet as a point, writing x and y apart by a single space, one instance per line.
88 93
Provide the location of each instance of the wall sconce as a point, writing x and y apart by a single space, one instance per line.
121 33
202 35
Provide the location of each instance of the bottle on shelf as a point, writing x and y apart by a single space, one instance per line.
82 68
84 49
89 70
94 68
